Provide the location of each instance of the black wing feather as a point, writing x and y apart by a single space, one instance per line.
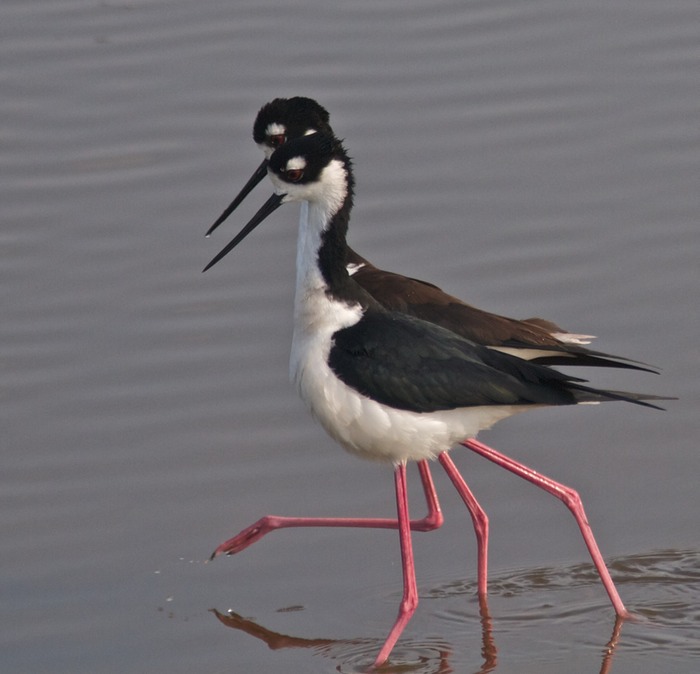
410 364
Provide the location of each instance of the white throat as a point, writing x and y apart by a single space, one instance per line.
320 201
317 315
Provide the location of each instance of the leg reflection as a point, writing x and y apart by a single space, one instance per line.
345 649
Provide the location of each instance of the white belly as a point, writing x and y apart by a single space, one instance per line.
375 431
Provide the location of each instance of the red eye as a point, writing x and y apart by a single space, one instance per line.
276 140
293 175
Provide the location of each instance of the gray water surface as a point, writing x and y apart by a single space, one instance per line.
534 158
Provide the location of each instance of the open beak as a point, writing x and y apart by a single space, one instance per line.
270 206
259 174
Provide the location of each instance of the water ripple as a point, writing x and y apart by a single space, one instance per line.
543 605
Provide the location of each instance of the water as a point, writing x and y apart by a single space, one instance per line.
533 158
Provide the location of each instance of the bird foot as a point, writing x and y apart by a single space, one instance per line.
247 537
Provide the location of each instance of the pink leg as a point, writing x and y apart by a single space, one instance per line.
409 602
479 518
571 500
265 525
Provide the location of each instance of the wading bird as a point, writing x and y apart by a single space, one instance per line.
389 386
534 339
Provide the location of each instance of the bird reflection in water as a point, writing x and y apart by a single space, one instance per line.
356 649
361 649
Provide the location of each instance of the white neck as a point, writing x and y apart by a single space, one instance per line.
317 315
310 282
320 201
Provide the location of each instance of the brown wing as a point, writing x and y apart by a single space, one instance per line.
429 303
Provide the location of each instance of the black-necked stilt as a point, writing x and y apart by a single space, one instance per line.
531 339
388 386
285 119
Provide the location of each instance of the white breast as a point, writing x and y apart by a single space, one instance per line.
372 430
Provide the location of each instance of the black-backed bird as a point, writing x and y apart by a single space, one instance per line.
534 339
389 386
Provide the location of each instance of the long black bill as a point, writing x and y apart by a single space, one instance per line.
270 206
259 174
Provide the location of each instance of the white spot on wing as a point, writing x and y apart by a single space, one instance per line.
572 338
527 354
353 268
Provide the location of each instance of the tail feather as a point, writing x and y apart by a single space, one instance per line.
585 394
594 359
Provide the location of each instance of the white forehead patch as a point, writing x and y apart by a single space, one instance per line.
308 132
275 129
296 163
